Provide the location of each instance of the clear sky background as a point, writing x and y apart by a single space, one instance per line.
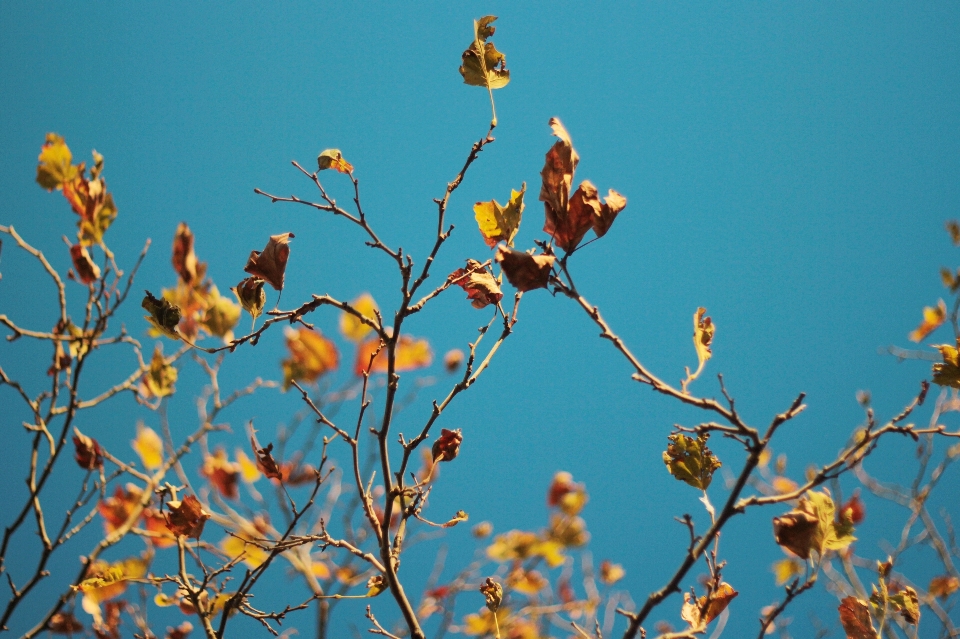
788 166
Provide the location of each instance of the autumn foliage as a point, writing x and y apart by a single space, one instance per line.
204 521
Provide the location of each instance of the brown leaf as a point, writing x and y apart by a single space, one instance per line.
524 271
452 360
611 207
222 473
251 296
701 611
855 619
264 456
447 446
164 316
64 623
181 631
271 263
795 531
493 594
118 508
854 510
87 270
88 453
481 287
184 259
557 178
187 517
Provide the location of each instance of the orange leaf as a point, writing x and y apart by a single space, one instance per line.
271 263
264 456
88 453
311 355
184 259
411 354
187 517
333 159
116 510
855 619
557 178
933 317
222 473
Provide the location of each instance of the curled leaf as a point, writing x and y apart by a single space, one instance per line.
264 456
481 287
311 356
333 159
933 317
251 295
87 451
187 517
447 446
270 264
500 223
812 527
523 270
556 180
703 330
351 326
700 611
184 259
611 207
855 619
159 379
482 65
690 461
492 593
164 316
87 270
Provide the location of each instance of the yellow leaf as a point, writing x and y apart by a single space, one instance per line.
786 569
948 372
248 469
160 378
411 354
611 573
55 166
703 329
690 461
483 65
320 570
311 355
500 223
933 317
149 446
234 547
220 316
351 326
333 159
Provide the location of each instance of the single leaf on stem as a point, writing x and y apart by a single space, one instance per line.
251 296
184 259
351 326
333 159
690 461
164 316
523 270
482 288
855 619
482 65
270 264
500 223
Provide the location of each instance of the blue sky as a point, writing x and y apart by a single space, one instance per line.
787 166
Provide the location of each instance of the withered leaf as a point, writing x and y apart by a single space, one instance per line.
500 223
184 259
222 473
584 207
481 287
87 451
703 330
611 207
947 373
690 461
87 270
523 270
953 228
943 586
271 263
813 527
933 317
333 159
701 611
164 316
492 593
264 456
411 354
557 178
482 65
64 623
447 446
187 517
452 360
251 295
855 619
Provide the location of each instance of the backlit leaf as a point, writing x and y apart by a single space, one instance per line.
235 546
149 446
333 159
482 65
611 573
184 259
703 330
160 378
943 586
186 517
500 223
55 166
524 271
786 570
86 269
351 326
164 316
220 316
411 354
948 372
222 473
702 610
271 263
251 295
813 527
690 461
311 356
933 317
481 287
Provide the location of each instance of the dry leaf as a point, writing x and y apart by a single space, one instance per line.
482 65
88 453
500 223
557 179
481 287
813 527
948 372
453 360
689 460
164 316
447 446
493 594
264 456
703 330
159 379
222 473
87 270
117 509
702 610
184 259
333 159
933 317
855 619
55 166
187 517
943 586
611 573
566 494
271 263
251 296
611 207
524 271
